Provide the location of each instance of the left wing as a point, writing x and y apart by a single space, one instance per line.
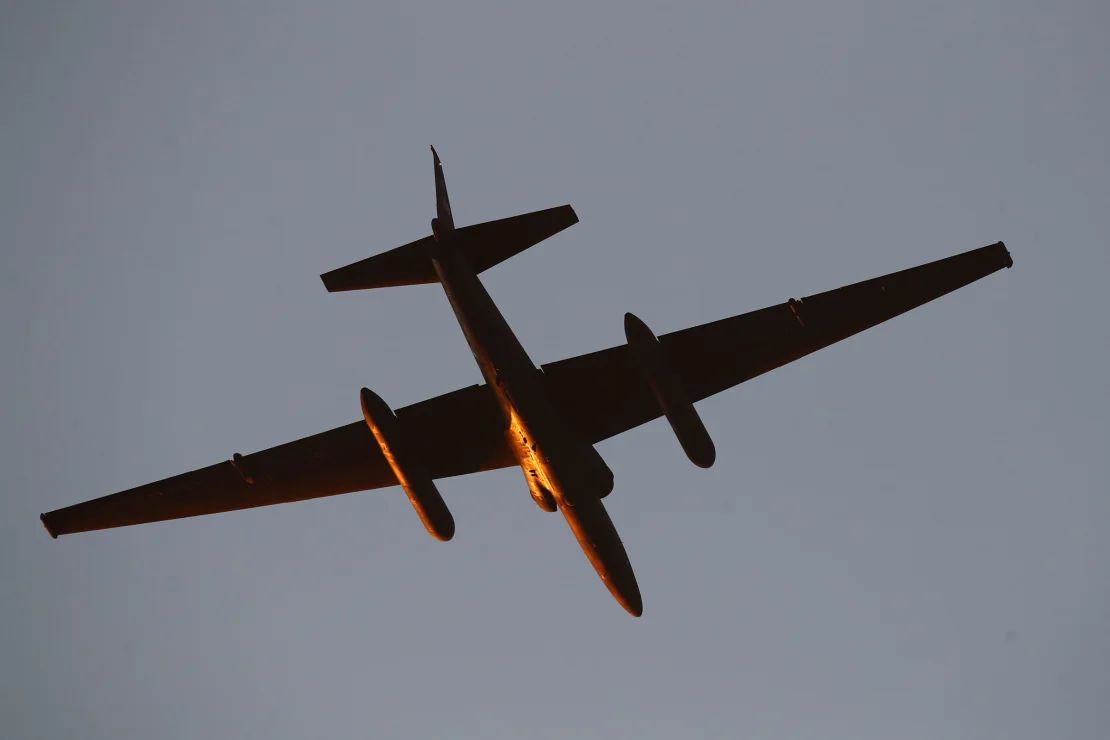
459 432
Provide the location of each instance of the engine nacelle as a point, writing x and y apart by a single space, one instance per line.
649 357
411 474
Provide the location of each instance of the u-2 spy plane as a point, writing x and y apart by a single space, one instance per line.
546 419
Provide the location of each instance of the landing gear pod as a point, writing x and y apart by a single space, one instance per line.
648 355
413 477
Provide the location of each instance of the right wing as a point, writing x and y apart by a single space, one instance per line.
603 393
459 432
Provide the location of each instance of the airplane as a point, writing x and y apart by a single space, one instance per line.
546 419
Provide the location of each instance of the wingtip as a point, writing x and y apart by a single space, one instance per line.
435 155
333 281
46 525
1009 260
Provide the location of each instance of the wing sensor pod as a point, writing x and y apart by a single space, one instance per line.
649 357
411 475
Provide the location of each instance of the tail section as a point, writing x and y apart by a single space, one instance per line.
445 222
483 245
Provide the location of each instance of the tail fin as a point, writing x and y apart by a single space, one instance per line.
484 245
446 222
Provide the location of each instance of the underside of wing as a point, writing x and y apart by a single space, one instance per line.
459 432
599 394
603 393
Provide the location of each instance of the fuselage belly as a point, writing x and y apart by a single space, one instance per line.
569 468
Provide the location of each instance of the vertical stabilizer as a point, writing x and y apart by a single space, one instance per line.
444 222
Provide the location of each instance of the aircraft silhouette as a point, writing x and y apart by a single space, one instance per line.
546 419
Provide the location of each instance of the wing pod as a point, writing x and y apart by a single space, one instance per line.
413 477
650 360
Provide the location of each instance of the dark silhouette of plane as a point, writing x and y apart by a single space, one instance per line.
546 420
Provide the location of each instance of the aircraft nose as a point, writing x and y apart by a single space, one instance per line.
602 546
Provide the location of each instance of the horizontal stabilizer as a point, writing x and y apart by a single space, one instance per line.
484 245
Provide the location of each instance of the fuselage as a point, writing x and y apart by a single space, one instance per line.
565 465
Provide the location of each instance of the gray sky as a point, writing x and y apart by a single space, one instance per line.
904 535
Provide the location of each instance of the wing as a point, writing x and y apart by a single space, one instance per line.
602 394
459 432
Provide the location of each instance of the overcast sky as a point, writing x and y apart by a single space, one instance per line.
905 535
